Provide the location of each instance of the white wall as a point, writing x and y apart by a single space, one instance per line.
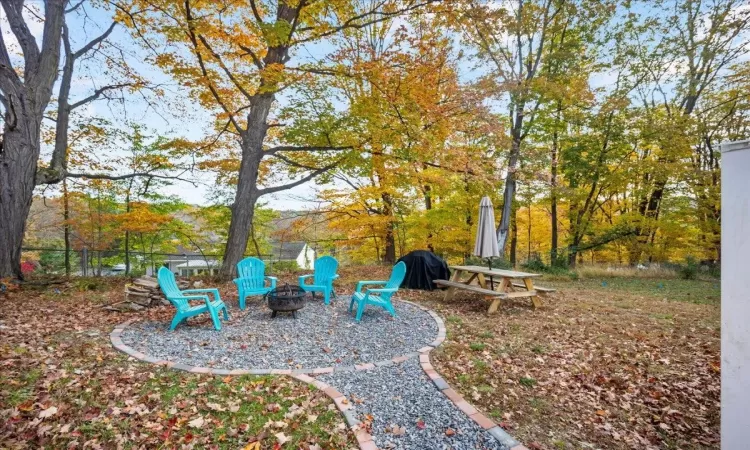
735 295
306 258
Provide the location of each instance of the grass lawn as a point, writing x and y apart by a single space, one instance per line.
62 385
606 363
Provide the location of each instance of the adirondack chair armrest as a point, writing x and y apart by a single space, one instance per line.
237 281
301 279
365 283
205 298
381 291
273 281
209 290
335 276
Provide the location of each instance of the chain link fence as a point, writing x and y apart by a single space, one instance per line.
86 262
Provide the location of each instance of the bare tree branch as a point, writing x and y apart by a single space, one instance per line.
104 176
287 148
94 42
14 13
256 13
363 20
305 179
98 92
196 50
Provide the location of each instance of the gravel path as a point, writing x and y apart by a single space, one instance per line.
401 395
321 336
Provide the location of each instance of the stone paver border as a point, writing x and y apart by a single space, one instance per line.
116 339
364 439
480 419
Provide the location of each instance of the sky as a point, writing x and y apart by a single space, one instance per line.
192 121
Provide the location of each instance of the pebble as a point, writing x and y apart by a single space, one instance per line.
402 395
321 336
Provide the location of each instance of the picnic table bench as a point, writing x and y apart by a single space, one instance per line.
477 283
536 287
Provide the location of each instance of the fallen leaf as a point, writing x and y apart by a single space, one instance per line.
397 430
282 438
450 432
197 422
420 424
49 412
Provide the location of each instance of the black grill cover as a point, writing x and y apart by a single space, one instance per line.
422 267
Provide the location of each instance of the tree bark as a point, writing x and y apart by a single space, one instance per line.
427 190
509 192
389 257
553 187
528 246
513 236
127 233
18 159
23 102
243 209
66 226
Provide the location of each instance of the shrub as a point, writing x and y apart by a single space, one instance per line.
88 284
535 264
496 263
284 266
689 270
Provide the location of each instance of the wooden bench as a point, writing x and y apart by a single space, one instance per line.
536 288
496 296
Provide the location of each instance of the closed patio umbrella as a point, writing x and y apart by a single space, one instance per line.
485 245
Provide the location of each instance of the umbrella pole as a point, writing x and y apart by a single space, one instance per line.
492 282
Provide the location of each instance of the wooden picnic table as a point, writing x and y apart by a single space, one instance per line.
477 282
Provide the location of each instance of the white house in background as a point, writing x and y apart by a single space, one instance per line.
190 263
298 251
198 267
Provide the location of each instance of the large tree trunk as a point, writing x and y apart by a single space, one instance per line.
513 236
247 194
18 160
553 187
127 233
66 226
390 240
509 193
427 190
23 102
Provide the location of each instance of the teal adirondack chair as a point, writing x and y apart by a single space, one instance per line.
180 299
251 279
325 273
381 296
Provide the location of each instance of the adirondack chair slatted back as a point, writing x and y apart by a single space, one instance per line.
325 269
252 272
394 282
397 276
168 285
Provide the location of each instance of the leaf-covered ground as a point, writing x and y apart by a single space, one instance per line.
63 386
604 364
616 363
